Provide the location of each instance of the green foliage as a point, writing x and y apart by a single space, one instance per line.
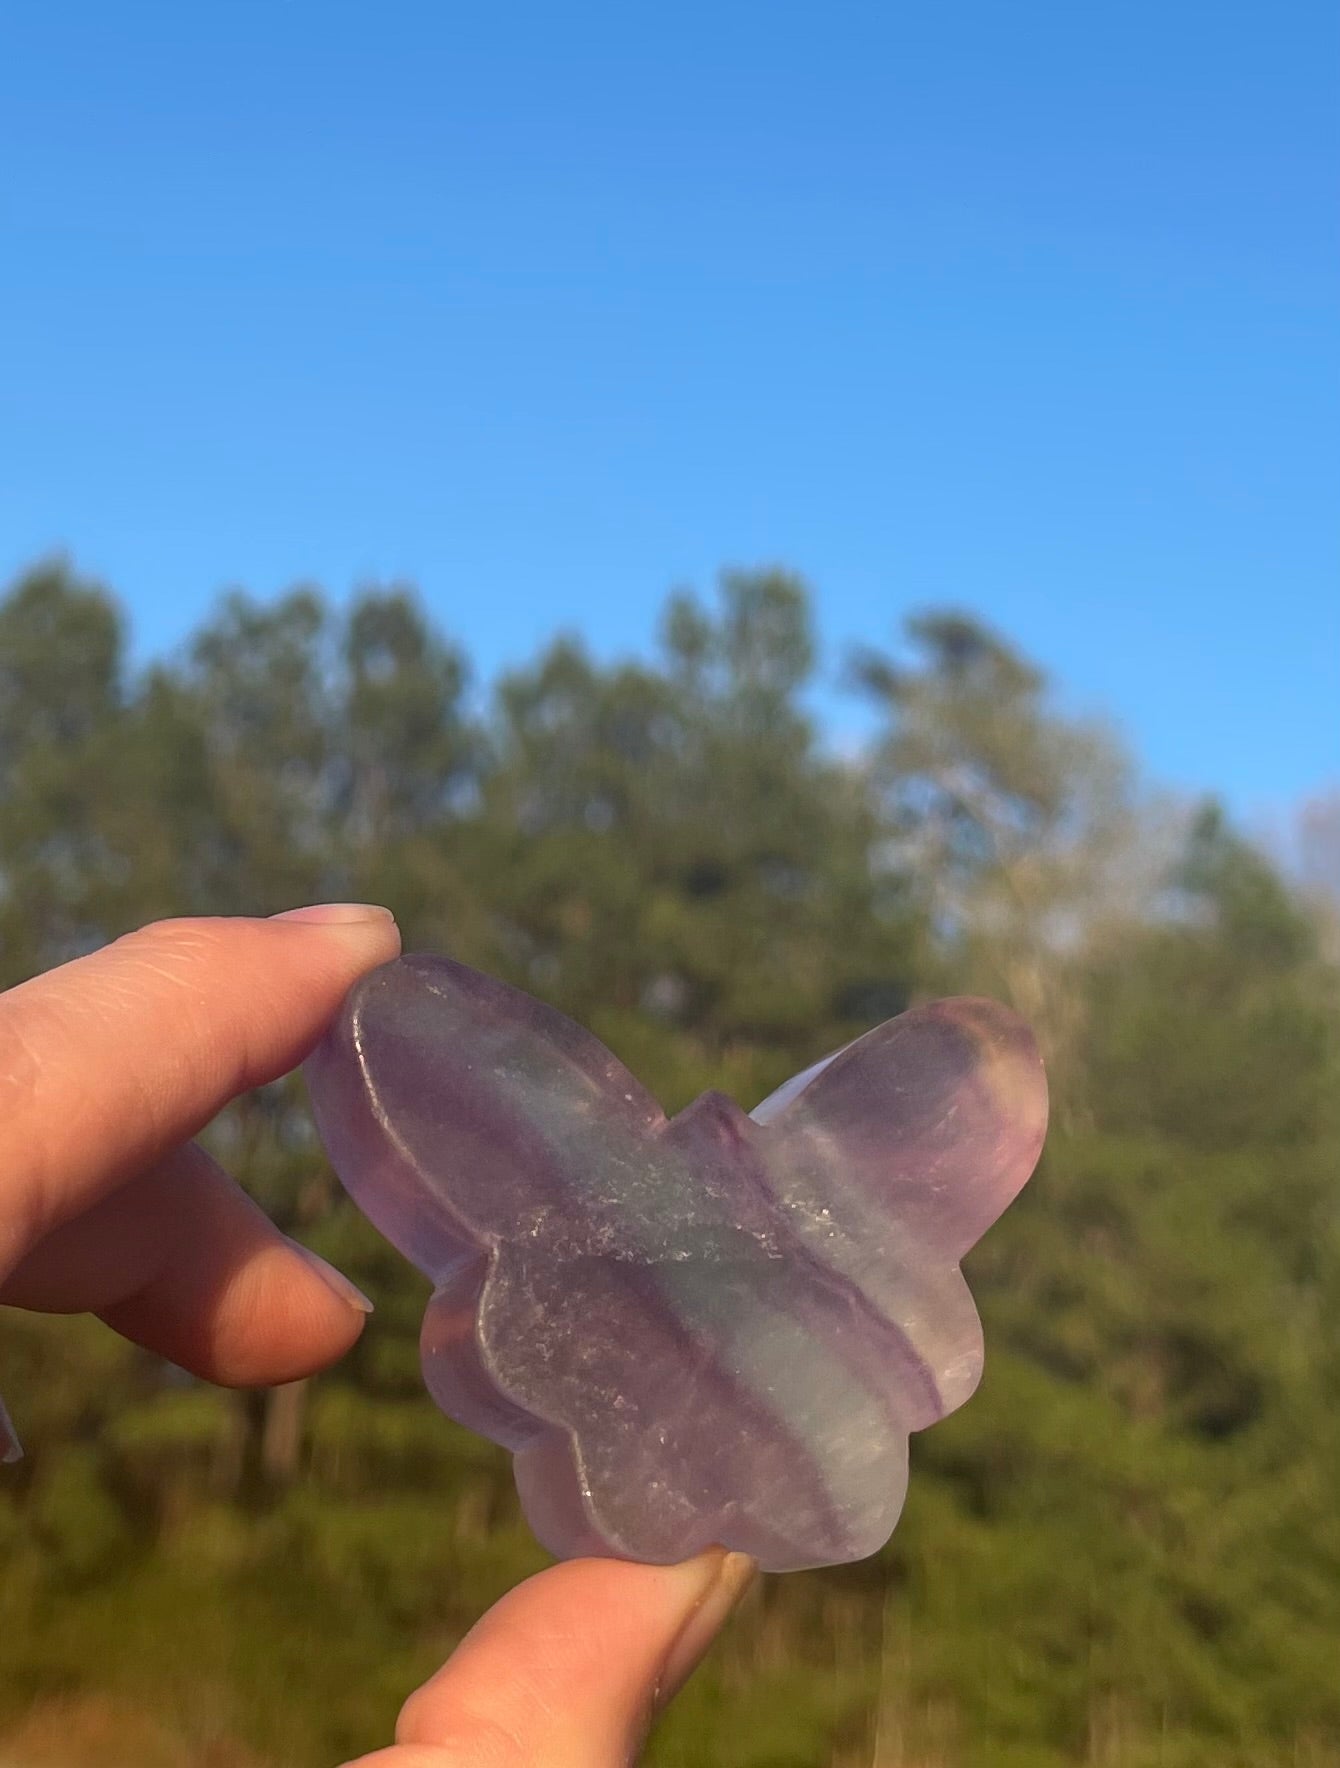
1125 1550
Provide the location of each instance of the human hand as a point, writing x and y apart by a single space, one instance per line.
108 1066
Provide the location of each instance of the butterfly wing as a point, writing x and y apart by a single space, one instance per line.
893 1156
458 1110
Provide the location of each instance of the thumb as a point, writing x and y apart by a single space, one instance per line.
570 1668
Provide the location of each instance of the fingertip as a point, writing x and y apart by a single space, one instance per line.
287 1315
362 927
292 969
571 1666
129 1051
223 1294
728 1580
343 1287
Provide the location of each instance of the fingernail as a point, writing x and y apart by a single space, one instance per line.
11 1449
336 914
333 1279
728 1582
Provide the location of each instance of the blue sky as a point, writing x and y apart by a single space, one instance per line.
1029 308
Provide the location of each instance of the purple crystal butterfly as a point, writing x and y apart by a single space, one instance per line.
714 1328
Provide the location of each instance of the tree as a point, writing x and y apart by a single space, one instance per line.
1125 1549
1017 825
61 727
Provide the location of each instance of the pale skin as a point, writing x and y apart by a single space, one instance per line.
108 1067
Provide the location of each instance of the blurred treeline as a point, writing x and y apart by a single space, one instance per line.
1125 1550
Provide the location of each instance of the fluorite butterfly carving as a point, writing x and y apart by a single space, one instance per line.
714 1328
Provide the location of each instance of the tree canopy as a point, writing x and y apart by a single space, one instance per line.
1125 1550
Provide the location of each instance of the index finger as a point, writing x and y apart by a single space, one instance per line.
112 1060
